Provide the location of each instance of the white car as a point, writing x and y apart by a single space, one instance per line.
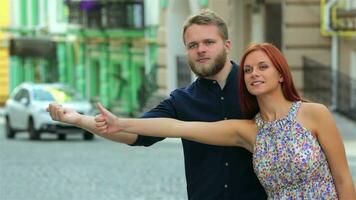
25 110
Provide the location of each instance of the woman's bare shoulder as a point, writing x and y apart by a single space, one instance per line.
311 115
312 109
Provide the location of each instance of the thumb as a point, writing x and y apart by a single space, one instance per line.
102 110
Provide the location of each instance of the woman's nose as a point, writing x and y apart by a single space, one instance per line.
254 72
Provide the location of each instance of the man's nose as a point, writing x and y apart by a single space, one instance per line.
201 48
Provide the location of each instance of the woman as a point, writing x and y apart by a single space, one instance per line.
297 149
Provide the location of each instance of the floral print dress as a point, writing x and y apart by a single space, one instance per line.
289 161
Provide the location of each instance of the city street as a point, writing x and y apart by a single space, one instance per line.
76 169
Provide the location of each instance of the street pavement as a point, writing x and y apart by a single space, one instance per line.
75 169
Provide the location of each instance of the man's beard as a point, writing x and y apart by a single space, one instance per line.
212 69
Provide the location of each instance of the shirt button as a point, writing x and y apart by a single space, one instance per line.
214 82
225 186
222 98
226 164
225 118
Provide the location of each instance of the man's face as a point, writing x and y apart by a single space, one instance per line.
206 50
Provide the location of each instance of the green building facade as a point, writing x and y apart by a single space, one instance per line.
105 49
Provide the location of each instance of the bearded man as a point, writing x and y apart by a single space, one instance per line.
212 172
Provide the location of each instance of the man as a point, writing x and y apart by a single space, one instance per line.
212 172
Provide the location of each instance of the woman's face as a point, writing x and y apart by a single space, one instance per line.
261 76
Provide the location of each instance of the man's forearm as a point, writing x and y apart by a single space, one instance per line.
88 123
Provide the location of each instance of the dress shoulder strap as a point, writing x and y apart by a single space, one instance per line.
292 114
258 120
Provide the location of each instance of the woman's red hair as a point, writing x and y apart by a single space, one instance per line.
249 103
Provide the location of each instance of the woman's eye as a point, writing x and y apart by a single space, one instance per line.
263 66
247 70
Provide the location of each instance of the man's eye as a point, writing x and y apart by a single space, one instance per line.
192 46
209 42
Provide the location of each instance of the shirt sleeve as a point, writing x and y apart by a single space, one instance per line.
164 109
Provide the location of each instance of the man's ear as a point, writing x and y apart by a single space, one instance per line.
228 45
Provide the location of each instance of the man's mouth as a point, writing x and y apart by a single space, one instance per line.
202 60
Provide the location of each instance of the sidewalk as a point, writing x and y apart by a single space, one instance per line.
347 129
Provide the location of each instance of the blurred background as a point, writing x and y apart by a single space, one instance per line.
129 54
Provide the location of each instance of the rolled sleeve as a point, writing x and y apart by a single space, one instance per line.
164 109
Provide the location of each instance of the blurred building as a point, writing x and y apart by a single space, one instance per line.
119 51
323 62
106 49
4 53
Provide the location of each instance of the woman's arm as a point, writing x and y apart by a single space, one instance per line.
223 133
333 147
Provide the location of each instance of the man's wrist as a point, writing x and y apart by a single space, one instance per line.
79 121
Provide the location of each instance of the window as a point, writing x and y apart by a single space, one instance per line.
19 95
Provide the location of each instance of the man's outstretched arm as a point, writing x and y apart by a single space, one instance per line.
70 116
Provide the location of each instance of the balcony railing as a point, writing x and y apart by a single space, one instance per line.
111 14
318 87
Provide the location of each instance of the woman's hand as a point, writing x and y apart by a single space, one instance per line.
106 122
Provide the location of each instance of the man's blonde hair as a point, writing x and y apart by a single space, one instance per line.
207 17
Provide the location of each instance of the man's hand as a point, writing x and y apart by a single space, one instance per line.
61 114
106 122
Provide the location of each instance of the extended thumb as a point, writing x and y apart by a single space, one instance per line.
101 108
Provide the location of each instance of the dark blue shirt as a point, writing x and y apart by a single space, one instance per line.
212 172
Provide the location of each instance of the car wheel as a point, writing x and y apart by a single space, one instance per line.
61 136
34 134
10 133
88 136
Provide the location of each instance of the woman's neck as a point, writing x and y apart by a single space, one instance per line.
273 107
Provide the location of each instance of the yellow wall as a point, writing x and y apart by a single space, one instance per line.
4 53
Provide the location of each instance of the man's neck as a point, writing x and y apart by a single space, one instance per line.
221 77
